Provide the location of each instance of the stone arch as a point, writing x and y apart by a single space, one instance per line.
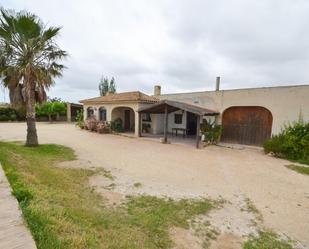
127 115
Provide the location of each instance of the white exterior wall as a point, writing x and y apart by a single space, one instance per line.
285 103
112 113
171 118
157 123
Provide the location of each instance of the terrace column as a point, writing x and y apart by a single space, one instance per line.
68 112
137 128
198 127
165 124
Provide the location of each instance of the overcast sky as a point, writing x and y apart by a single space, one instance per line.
181 44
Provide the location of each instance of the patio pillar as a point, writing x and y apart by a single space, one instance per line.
198 127
69 112
165 124
137 127
139 134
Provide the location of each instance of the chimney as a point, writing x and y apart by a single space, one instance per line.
157 90
218 83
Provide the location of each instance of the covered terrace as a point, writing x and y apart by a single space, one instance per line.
168 106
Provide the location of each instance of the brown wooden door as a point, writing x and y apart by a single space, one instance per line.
246 125
127 124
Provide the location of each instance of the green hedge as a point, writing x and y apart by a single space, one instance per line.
8 114
291 143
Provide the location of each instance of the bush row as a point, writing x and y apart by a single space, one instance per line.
291 143
8 114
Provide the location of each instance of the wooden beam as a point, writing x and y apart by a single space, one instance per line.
165 124
198 127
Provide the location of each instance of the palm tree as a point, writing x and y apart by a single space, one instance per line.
29 59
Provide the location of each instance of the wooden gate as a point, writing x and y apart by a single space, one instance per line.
246 125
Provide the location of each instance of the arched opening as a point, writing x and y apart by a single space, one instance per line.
102 114
90 112
127 117
246 125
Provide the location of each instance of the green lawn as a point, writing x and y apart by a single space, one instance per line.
62 211
267 240
299 169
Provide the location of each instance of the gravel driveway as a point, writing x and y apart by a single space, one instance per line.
281 195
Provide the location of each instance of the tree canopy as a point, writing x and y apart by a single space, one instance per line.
29 62
107 86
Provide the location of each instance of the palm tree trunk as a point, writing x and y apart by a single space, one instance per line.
32 137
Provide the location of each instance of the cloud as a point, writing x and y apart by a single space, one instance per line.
182 45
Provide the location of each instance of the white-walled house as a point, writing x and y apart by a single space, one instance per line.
248 116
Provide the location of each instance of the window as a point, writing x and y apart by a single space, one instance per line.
147 117
102 114
178 119
90 112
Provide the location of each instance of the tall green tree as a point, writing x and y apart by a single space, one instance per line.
112 85
107 86
29 61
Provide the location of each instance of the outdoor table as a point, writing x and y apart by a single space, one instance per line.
183 130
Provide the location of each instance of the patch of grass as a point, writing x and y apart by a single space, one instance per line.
267 240
105 173
300 169
62 211
137 185
251 208
205 231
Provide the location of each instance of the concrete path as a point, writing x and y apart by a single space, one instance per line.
13 231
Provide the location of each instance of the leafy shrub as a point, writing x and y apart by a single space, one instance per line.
103 127
80 119
116 125
291 143
211 131
91 123
8 114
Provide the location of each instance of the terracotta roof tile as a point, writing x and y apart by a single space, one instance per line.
122 97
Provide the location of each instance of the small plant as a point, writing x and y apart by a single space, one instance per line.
117 125
291 143
211 131
80 119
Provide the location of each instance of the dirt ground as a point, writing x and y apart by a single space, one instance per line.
236 175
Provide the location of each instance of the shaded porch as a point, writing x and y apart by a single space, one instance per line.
168 106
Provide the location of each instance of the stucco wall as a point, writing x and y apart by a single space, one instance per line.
171 118
285 103
114 111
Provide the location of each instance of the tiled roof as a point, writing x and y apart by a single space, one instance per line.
122 97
